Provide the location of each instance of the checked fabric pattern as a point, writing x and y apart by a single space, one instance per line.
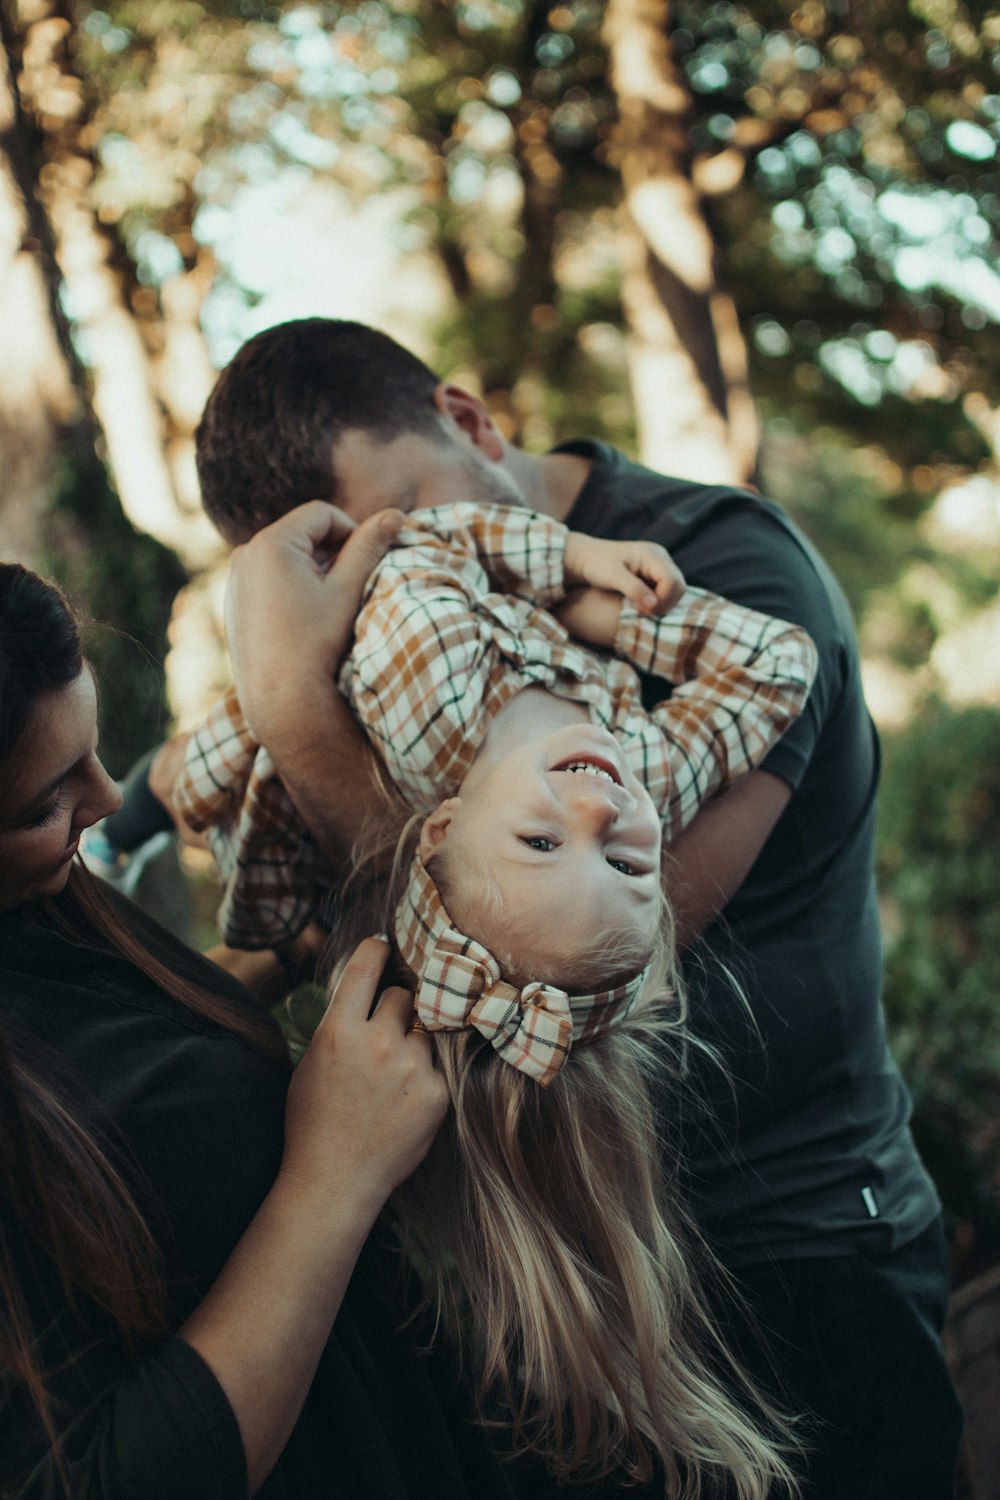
453 624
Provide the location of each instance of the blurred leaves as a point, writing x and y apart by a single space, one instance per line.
939 868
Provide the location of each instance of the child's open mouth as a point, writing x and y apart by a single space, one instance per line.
590 765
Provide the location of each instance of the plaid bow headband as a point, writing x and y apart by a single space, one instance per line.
460 984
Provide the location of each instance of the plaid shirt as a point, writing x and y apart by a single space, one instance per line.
453 624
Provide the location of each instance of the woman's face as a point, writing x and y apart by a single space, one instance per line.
52 787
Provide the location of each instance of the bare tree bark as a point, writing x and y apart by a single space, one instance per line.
132 417
57 508
686 353
37 396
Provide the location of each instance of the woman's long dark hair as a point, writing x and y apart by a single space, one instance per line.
58 1178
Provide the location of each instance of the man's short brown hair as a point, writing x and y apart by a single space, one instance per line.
266 438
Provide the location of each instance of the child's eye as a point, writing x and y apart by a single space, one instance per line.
623 867
538 842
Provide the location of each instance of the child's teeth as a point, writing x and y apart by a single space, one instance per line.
590 770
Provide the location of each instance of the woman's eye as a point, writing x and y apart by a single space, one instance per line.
538 842
48 816
622 866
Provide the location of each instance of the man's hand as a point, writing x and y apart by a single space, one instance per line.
639 571
293 595
289 616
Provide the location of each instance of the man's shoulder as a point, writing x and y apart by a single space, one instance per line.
720 534
623 497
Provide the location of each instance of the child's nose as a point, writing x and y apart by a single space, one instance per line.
595 808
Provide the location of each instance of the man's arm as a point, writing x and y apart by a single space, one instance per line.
289 620
710 859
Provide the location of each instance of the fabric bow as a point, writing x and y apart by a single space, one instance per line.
459 984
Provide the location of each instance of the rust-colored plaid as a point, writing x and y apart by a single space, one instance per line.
452 626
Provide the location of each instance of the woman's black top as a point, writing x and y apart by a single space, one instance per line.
198 1117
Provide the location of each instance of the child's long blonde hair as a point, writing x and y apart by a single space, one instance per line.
557 1258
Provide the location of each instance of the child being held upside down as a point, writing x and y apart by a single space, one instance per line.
531 917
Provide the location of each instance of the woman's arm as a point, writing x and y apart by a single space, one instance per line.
363 1107
209 1410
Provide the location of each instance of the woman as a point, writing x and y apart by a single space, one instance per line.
174 1243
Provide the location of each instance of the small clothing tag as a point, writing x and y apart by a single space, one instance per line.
868 1198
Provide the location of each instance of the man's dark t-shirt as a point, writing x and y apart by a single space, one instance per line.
804 1149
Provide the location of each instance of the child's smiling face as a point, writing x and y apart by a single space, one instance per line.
569 840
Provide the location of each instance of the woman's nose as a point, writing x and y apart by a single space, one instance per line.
103 796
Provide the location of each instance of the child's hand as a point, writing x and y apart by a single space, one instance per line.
639 571
591 615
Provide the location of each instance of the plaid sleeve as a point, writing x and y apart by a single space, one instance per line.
217 766
520 551
739 678
436 654
273 875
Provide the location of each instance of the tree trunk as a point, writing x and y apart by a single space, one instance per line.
133 420
58 511
37 396
686 354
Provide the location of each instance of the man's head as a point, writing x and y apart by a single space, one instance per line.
325 410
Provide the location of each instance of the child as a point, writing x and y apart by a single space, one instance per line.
536 877
454 625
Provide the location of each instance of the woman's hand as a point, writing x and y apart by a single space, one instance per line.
363 1107
365 1102
639 571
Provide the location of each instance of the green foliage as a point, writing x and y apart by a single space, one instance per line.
939 867
123 584
861 240
841 494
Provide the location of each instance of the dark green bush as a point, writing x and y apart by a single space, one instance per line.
939 871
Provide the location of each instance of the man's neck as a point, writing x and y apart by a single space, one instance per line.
550 482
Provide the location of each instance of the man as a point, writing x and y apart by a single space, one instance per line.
799 1162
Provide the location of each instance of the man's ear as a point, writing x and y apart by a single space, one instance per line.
435 828
470 416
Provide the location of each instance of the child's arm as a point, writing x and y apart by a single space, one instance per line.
438 651
642 572
271 870
435 655
739 678
538 559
